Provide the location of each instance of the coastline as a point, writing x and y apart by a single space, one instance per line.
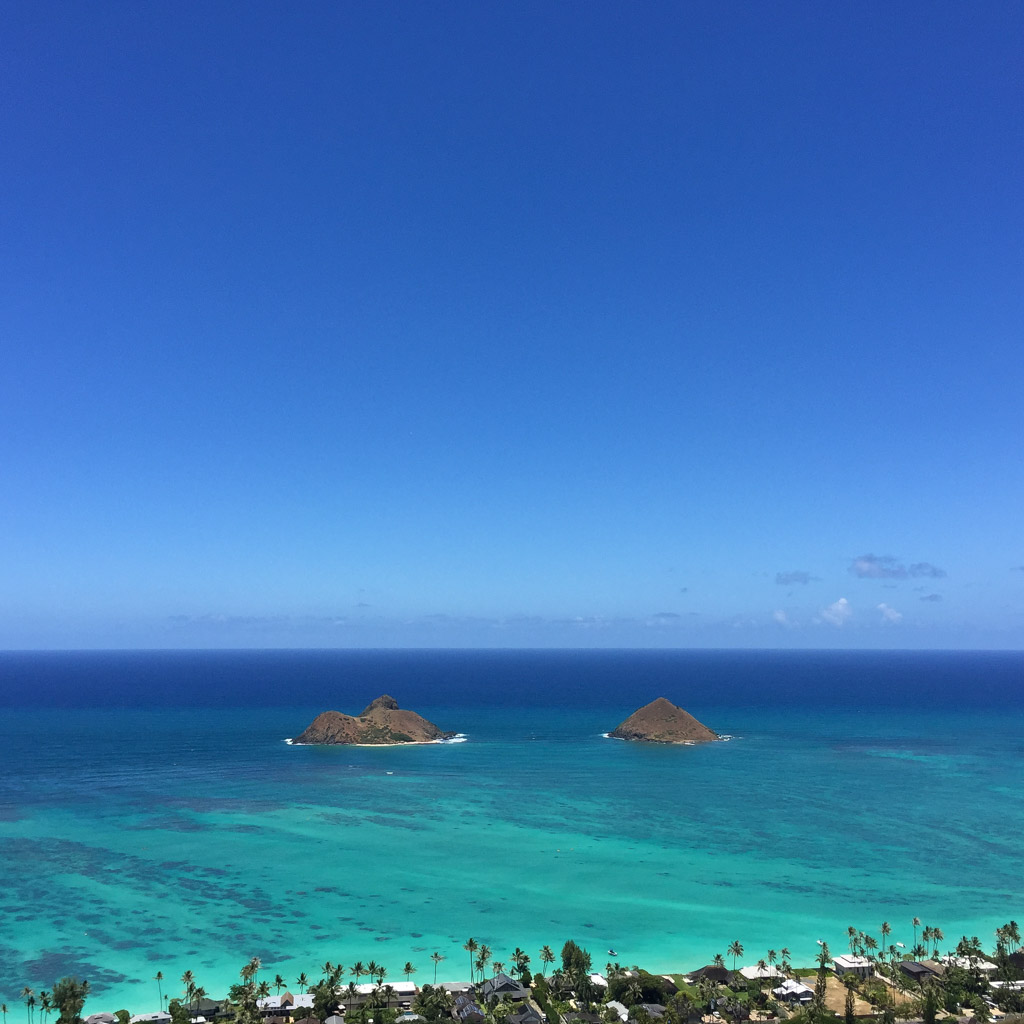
190 838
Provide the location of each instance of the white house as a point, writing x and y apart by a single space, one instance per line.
619 1008
859 965
793 992
969 963
754 972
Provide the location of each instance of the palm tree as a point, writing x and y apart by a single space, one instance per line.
27 994
937 937
546 956
851 934
200 994
471 946
302 982
255 963
262 990
719 960
886 931
916 923
784 954
388 993
381 975
358 970
484 955
437 958
188 982
3 1010
279 983
772 957
45 1006
735 950
158 978
497 968
327 968
408 970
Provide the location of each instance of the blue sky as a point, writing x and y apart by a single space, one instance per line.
512 325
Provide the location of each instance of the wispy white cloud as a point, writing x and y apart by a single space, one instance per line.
886 567
788 579
838 612
889 614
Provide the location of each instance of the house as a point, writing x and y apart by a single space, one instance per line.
598 981
581 1017
466 1009
526 1015
501 986
918 971
969 963
718 975
848 964
151 1018
619 1008
335 1019
791 991
655 1011
754 972
101 1018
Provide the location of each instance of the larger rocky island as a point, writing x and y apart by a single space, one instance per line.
661 721
382 722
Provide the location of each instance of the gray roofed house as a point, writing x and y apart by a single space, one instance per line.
653 1010
581 1017
527 1015
101 1018
918 971
466 1009
501 986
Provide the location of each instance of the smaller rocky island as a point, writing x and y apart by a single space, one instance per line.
661 721
382 722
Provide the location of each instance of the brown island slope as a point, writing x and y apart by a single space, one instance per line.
382 722
662 722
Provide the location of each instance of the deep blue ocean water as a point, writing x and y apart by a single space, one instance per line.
152 817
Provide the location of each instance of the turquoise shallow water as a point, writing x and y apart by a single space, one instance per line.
142 839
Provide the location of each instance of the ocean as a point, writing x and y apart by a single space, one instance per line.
153 818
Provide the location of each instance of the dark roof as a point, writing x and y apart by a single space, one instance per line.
528 1015
916 970
721 975
500 983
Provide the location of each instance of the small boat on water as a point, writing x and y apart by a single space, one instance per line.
611 952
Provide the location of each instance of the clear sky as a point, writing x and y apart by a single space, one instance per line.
512 324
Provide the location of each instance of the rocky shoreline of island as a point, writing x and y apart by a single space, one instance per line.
383 723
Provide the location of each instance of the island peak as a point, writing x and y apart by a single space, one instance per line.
383 701
661 721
